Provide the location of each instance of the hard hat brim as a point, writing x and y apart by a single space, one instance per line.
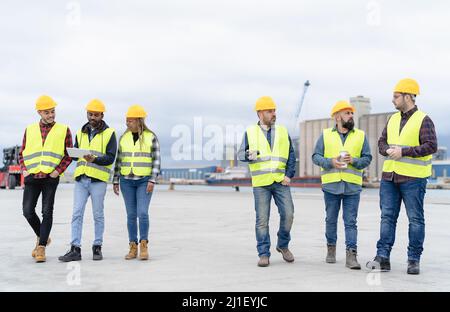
343 109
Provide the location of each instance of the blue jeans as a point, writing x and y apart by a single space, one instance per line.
350 204
137 201
96 190
391 195
283 200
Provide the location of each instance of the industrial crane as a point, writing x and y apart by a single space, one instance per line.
296 137
299 107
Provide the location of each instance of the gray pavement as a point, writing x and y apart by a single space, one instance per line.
202 239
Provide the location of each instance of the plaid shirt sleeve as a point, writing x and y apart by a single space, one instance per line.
65 162
382 143
156 159
427 139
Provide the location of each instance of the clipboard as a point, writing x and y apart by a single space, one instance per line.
77 152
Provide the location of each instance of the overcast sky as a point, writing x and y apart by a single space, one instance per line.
213 59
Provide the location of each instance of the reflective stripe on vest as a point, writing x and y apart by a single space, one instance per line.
44 158
97 147
135 158
417 167
270 165
333 146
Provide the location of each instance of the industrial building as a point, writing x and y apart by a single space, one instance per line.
373 125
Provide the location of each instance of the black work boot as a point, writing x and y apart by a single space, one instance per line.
379 264
97 252
413 267
74 254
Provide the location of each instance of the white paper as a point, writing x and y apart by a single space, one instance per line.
77 152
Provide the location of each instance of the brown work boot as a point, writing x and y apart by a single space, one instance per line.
351 261
331 254
143 250
263 261
287 254
132 254
40 254
33 253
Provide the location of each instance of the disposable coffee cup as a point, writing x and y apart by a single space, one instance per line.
342 154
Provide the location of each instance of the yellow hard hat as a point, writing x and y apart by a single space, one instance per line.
341 105
45 102
136 111
407 85
96 106
265 102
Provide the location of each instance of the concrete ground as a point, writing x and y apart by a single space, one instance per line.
202 239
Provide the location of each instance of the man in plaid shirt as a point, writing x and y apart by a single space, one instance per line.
42 162
407 142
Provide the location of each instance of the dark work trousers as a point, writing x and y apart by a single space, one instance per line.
33 188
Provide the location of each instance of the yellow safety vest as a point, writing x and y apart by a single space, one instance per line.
270 165
417 167
97 146
135 158
333 146
44 158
